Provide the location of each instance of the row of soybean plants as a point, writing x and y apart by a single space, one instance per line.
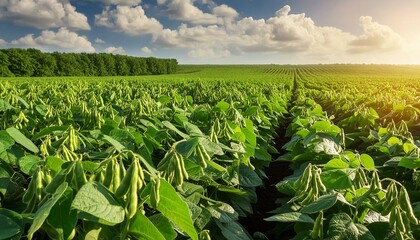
128 159
349 182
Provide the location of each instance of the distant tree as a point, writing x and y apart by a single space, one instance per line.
33 62
86 65
21 64
4 65
109 62
138 66
44 64
67 65
99 64
121 65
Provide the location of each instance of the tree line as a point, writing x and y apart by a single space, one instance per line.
34 63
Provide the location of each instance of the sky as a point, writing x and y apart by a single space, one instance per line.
220 31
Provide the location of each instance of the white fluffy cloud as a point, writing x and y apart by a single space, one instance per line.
225 11
115 50
282 33
130 20
43 14
375 37
122 2
184 10
99 41
62 40
146 50
2 42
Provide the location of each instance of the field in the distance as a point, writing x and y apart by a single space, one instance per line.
196 154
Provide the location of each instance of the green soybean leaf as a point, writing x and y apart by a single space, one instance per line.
62 218
112 141
335 164
54 164
248 177
367 162
192 129
22 140
342 227
44 211
164 226
4 105
97 204
175 129
8 228
174 208
323 203
143 228
409 162
48 130
336 179
187 147
28 163
5 141
232 231
291 217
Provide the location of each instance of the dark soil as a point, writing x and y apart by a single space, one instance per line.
268 194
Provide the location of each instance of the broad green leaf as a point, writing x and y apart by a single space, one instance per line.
408 147
233 231
164 226
5 141
62 218
394 141
175 129
192 129
409 162
223 212
342 227
367 162
98 204
121 135
323 203
12 155
187 147
22 139
335 164
143 228
4 105
8 228
336 179
112 141
248 177
164 99
44 211
54 164
48 130
211 147
286 187
28 164
174 208
222 105
290 217
16 218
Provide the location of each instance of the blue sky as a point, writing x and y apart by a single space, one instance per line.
220 31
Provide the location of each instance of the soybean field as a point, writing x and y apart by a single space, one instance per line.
213 152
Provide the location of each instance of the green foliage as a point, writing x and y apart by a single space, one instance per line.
34 63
